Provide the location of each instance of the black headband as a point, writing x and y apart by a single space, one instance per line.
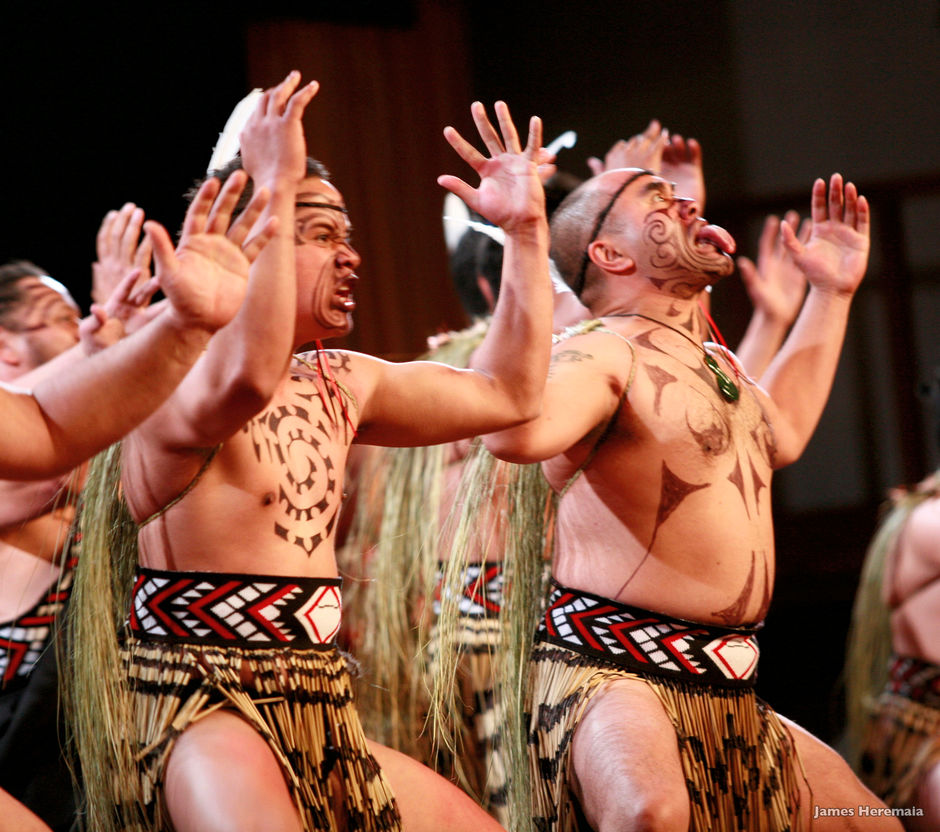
578 286
321 205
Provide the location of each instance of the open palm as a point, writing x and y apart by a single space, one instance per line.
510 192
835 256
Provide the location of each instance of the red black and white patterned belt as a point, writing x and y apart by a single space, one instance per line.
915 679
649 642
222 608
481 591
24 638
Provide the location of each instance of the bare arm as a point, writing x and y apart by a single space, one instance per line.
423 403
248 358
75 414
585 382
834 260
21 501
776 287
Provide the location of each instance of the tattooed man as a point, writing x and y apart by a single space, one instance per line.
245 717
661 449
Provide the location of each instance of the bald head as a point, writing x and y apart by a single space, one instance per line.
579 219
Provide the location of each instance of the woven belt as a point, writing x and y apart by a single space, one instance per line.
647 642
481 590
24 639
915 679
235 610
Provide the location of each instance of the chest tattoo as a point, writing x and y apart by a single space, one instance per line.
734 613
709 427
673 490
301 442
659 378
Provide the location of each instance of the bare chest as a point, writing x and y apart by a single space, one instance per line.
298 447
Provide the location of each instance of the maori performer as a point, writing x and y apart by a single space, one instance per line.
238 699
39 337
661 450
892 664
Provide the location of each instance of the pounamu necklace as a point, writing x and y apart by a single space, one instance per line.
726 386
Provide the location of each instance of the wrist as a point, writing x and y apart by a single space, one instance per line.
533 230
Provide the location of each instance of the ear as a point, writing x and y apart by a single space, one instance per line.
609 258
487 291
9 354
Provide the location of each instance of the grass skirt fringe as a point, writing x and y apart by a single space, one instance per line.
477 762
901 745
739 760
299 701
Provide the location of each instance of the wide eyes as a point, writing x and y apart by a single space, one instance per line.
321 235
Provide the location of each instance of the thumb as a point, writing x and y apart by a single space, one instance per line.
748 270
596 166
790 241
164 256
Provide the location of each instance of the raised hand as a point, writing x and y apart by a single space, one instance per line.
272 143
682 165
510 193
204 278
644 150
835 256
127 310
119 249
776 285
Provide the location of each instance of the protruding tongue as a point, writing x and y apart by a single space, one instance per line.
718 237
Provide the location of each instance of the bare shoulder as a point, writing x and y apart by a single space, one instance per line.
592 353
923 532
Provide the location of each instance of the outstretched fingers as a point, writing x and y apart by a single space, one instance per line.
486 130
458 187
508 129
465 150
198 213
240 229
533 144
836 197
281 94
220 215
818 209
299 101
769 237
252 247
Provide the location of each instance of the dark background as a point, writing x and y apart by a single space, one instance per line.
105 104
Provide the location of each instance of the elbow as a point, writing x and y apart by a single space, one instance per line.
510 446
787 453
250 392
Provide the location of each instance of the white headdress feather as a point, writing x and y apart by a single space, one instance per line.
566 139
228 145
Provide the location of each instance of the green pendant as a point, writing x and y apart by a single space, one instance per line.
726 386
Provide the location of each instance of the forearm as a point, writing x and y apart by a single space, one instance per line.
63 362
515 352
249 356
75 414
760 343
800 378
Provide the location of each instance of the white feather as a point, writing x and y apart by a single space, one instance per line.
566 139
494 232
456 215
227 147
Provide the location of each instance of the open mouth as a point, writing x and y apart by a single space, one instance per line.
345 298
717 237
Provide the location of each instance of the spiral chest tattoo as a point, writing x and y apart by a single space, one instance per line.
306 447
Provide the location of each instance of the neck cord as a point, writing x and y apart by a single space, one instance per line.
726 386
